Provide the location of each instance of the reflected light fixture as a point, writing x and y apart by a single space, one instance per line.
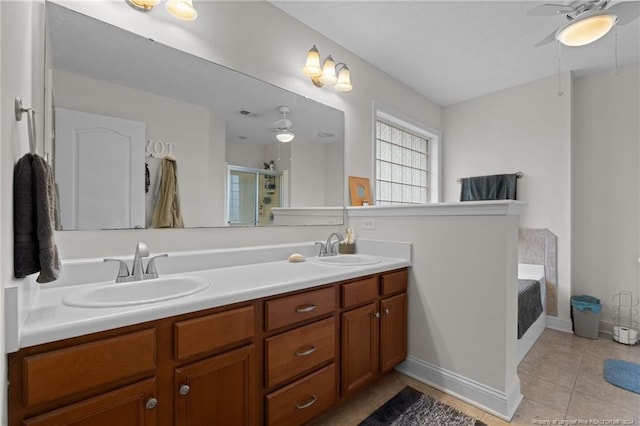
585 30
143 5
181 9
284 126
330 72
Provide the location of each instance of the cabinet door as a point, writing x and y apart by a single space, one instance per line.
132 405
220 390
360 345
393 331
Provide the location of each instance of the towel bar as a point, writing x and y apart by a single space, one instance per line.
31 122
518 175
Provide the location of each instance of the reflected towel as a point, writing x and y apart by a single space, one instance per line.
34 212
167 212
493 187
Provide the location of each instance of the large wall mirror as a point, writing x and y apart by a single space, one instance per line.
129 114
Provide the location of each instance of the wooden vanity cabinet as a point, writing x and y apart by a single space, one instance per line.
374 328
281 360
136 375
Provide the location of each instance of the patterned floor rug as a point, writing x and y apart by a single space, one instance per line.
413 408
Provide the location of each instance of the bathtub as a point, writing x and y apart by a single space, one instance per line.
533 272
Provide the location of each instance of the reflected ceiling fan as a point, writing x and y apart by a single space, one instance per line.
283 128
588 20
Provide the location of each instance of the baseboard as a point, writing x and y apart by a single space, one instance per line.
498 403
559 324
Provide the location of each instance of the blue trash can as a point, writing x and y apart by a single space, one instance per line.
585 315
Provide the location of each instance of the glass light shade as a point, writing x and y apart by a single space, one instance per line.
144 5
328 71
285 136
344 80
182 9
312 66
586 30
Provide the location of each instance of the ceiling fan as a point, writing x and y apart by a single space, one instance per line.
283 128
588 20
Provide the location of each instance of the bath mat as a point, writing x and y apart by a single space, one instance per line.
412 408
623 374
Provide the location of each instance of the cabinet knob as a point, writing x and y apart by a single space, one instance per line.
376 314
307 308
309 351
307 404
386 311
151 403
184 389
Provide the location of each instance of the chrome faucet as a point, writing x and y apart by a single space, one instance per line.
138 272
330 248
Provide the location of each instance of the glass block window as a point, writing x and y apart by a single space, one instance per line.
402 166
234 198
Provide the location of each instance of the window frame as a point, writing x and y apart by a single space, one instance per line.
400 120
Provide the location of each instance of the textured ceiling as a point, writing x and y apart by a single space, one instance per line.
451 51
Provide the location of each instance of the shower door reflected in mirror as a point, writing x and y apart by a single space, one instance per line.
251 195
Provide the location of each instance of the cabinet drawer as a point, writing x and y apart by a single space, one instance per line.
208 333
359 292
299 307
80 368
299 350
395 282
302 400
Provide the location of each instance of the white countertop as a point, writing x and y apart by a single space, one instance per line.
48 319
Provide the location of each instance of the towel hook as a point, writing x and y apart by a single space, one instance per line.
31 118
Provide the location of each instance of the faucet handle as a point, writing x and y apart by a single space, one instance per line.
123 270
151 266
323 248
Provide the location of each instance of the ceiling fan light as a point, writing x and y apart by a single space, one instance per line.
585 31
312 66
329 71
344 80
182 9
285 136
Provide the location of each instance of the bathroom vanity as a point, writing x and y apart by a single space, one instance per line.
282 358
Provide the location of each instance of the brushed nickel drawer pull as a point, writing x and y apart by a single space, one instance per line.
386 311
307 352
307 404
376 314
303 309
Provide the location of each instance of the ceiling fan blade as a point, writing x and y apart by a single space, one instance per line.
625 11
550 9
548 39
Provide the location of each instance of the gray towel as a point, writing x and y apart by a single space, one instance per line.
34 249
493 187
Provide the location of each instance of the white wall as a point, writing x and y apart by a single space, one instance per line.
186 126
462 300
606 185
21 47
523 129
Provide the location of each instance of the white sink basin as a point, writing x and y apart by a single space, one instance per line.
135 292
347 260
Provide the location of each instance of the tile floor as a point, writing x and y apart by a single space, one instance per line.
561 379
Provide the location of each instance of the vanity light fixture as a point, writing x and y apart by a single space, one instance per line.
330 72
585 30
181 9
284 127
